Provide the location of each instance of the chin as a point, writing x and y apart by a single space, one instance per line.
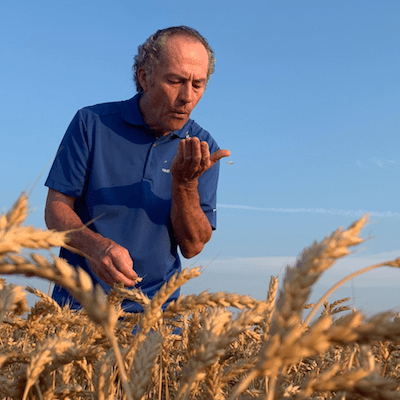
176 126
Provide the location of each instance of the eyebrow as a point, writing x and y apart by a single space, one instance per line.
180 77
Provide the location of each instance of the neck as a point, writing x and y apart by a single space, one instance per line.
148 117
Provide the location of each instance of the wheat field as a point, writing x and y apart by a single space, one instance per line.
197 348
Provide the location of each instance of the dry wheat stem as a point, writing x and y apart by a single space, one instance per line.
312 263
143 363
270 305
44 354
153 312
394 263
205 299
124 376
223 356
119 293
280 348
80 285
218 331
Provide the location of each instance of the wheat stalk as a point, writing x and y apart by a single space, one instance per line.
265 351
142 365
42 356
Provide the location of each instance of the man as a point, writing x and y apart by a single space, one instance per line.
139 172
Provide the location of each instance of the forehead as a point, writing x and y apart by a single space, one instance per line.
181 52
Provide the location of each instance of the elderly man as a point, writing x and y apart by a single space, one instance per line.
139 173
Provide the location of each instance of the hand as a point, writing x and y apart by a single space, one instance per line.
113 264
193 159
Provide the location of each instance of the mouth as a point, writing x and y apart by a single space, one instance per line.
179 114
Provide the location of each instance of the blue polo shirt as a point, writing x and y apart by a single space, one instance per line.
119 173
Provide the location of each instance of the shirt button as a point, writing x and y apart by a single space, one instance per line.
155 144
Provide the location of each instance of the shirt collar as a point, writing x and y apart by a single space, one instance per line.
131 113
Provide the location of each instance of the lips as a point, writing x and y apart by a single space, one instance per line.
178 114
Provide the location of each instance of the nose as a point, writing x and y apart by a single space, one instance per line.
186 92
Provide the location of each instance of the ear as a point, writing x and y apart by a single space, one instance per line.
143 79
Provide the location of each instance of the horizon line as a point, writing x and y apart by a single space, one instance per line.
331 211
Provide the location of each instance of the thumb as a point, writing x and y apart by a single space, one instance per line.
217 155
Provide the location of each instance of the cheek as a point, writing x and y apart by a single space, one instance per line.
163 99
197 99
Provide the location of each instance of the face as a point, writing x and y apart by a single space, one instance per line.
177 85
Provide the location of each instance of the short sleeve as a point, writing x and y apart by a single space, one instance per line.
71 167
208 183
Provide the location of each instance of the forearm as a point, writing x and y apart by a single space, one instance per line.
191 227
61 217
108 260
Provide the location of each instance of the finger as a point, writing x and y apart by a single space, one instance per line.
103 271
196 152
192 152
108 278
187 153
124 266
112 276
205 155
216 156
121 260
119 277
180 153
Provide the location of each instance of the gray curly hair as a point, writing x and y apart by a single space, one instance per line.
150 52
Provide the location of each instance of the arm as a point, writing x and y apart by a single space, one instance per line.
108 260
191 227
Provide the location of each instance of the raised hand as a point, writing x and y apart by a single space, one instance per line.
193 159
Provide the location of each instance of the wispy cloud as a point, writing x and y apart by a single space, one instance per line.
251 276
376 162
331 211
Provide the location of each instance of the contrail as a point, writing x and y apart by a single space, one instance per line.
331 211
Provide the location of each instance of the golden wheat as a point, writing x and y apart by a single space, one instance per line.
265 350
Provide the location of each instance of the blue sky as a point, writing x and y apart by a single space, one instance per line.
306 95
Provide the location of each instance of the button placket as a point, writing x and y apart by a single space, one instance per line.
152 157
